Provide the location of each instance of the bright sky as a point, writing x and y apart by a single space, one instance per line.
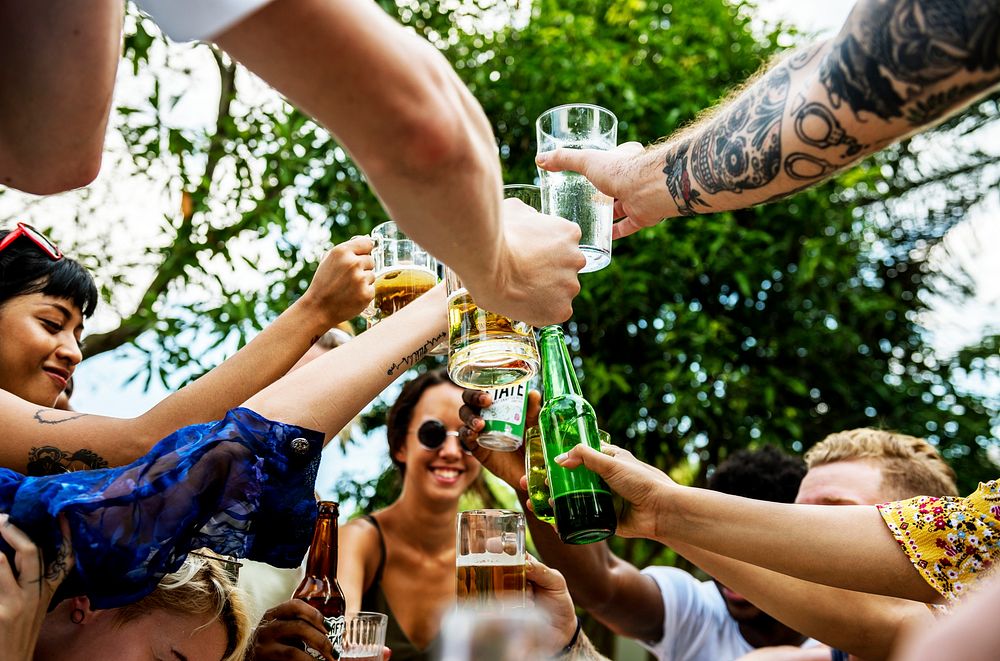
100 380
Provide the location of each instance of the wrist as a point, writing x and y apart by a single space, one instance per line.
314 317
574 640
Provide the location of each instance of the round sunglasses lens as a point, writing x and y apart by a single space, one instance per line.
431 434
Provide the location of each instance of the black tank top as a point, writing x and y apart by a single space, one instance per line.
374 600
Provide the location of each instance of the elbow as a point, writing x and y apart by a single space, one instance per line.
55 174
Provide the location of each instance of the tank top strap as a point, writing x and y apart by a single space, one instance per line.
381 545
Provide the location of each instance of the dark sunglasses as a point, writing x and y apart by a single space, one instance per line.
40 240
432 434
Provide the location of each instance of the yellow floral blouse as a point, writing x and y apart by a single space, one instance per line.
953 542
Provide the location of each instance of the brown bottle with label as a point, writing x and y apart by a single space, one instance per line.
319 587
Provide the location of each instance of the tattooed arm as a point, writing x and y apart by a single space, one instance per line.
328 392
896 67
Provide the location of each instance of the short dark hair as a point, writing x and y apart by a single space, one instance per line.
24 269
400 416
763 474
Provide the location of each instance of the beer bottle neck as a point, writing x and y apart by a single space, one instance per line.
322 560
558 375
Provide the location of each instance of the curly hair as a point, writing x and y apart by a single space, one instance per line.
763 474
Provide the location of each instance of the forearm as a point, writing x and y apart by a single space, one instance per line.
896 67
861 624
56 84
254 367
327 393
394 103
848 547
595 577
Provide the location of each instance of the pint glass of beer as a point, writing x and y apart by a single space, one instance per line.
537 472
486 350
490 559
403 271
569 194
364 636
517 634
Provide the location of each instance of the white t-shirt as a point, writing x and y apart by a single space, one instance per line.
187 20
696 624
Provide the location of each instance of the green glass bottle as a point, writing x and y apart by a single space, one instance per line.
583 507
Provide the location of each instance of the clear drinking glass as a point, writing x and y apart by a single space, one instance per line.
364 636
490 559
486 350
403 271
569 194
520 634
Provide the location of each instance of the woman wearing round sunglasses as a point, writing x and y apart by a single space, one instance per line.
45 298
401 559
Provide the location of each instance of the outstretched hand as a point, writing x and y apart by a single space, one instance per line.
508 466
24 599
549 591
614 173
645 489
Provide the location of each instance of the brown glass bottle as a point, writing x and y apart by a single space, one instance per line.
319 587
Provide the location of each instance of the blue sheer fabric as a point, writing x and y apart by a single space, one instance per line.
241 486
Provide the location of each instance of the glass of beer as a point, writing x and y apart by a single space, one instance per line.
364 636
486 350
490 559
569 194
403 271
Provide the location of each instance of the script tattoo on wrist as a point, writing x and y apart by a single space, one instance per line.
50 460
412 359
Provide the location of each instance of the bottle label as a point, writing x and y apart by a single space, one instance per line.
505 416
334 633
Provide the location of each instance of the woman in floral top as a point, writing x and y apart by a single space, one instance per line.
952 542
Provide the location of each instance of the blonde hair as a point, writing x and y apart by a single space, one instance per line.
910 466
202 586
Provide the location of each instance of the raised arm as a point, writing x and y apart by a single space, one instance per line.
59 63
865 625
46 440
896 67
423 141
846 546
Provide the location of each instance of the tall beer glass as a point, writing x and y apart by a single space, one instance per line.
486 350
490 559
403 271
537 472
569 194
519 634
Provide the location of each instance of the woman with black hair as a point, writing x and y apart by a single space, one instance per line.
401 559
45 298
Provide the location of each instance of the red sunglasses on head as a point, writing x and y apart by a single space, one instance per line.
36 237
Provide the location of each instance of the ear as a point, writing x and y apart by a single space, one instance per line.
83 604
399 454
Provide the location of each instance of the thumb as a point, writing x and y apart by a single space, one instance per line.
566 159
543 577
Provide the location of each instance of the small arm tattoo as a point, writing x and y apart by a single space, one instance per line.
412 359
55 417
50 460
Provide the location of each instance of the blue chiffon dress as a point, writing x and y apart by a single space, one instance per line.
241 486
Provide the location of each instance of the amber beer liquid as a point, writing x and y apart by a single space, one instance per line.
487 350
397 288
319 587
490 578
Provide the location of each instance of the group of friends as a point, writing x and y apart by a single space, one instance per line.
103 518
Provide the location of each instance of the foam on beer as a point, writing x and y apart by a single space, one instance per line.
490 560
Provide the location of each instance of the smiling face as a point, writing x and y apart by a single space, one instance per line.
39 346
447 471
